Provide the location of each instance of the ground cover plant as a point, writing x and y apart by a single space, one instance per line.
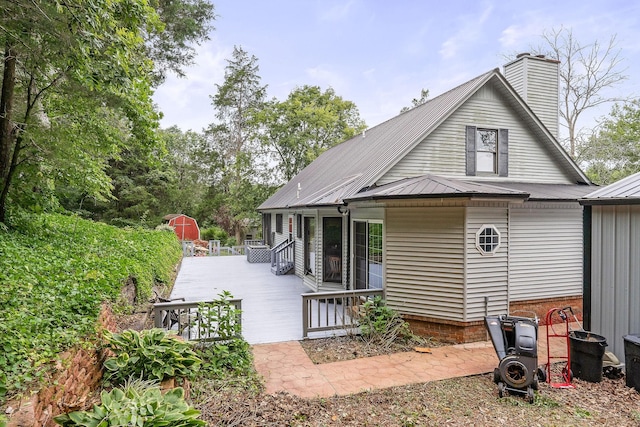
152 354
55 271
138 403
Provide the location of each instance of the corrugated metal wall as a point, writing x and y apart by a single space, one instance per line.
425 261
546 251
443 151
615 274
487 275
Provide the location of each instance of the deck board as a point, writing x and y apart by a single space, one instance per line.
271 305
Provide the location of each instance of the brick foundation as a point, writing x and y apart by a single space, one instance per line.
464 332
542 306
76 376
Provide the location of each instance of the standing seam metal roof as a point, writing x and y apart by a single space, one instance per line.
354 165
625 191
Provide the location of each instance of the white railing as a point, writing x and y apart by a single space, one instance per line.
326 311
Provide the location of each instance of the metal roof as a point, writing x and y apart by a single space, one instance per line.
625 191
427 186
356 164
555 192
431 186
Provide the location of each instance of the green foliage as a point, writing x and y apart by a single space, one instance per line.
614 151
55 271
308 123
381 324
139 403
215 233
220 318
152 354
228 352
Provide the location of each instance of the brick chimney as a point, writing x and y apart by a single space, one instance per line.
536 80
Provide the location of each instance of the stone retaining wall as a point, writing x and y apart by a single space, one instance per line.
71 386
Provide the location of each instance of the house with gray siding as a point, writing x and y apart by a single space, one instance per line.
612 251
464 206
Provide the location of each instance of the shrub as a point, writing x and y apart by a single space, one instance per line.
381 324
215 233
139 403
151 354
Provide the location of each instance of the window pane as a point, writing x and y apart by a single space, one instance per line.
375 256
486 140
485 162
360 255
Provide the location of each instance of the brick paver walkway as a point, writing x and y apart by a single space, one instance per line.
285 366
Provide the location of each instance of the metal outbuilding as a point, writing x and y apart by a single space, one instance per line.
612 261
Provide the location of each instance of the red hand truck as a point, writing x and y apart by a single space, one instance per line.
558 377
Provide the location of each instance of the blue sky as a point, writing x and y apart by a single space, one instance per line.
381 53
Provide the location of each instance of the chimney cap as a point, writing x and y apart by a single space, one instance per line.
520 55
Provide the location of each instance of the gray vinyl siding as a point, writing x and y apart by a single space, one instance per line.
443 151
536 81
546 251
615 274
425 261
486 275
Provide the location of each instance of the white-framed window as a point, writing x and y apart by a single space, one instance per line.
487 239
368 248
486 155
487 151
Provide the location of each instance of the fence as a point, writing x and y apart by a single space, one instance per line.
326 311
213 248
192 319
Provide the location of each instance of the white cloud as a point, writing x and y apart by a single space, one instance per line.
185 101
325 77
469 31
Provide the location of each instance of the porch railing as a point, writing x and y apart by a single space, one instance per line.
283 257
326 311
188 321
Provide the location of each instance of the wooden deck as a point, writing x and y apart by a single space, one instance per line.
271 305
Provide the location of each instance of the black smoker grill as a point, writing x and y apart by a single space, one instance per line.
515 340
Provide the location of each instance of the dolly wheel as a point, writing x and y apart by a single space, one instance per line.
542 375
501 389
530 395
496 375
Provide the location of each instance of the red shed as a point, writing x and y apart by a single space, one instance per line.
185 227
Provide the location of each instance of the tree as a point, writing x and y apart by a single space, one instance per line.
234 137
307 123
76 88
586 71
416 102
185 23
90 50
613 152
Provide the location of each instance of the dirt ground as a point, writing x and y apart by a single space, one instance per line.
455 402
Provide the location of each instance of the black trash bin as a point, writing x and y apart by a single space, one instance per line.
632 360
586 351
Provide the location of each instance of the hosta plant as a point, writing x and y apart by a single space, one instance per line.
152 354
139 403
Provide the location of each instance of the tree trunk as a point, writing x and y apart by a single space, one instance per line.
6 126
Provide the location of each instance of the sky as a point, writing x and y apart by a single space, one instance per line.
380 54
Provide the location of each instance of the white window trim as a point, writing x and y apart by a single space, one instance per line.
480 246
